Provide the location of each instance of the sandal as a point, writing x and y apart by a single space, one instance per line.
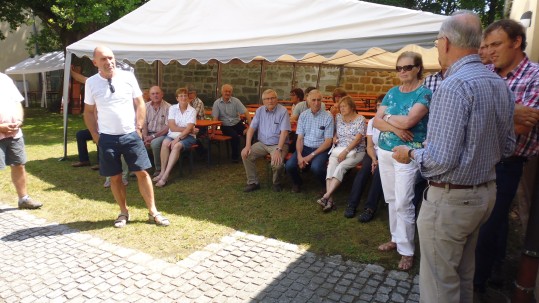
406 262
329 205
158 220
388 246
322 202
366 215
121 221
161 183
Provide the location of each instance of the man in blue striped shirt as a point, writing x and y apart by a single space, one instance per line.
272 124
470 129
315 135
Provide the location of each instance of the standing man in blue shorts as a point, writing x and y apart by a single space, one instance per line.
121 111
11 140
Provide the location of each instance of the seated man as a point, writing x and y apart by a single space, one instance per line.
83 136
315 135
155 125
273 125
227 109
303 106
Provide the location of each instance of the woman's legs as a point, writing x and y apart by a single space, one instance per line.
172 159
165 152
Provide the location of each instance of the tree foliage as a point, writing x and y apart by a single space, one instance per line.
64 21
488 10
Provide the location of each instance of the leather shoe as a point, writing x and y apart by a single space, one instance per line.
296 188
81 164
95 167
251 187
350 212
366 216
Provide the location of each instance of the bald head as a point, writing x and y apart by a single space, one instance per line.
463 29
104 61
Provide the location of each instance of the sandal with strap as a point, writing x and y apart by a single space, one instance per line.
121 221
406 262
329 206
322 202
158 219
388 246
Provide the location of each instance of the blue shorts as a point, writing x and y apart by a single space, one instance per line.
186 142
12 152
112 147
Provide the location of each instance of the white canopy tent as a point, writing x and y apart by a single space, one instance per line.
336 32
38 64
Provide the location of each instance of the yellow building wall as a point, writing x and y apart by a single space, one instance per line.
532 36
14 51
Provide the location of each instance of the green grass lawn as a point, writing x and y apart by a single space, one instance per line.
202 206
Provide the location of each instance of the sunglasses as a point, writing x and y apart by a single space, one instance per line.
405 68
111 87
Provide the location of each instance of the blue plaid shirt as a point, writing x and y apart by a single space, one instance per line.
470 126
315 128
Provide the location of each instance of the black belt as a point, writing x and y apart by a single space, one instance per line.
453 186
513 159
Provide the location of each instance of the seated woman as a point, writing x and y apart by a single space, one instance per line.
348 149
338 94
181 122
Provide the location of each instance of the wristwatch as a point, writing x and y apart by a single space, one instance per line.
313 154
153 136
386 118
410 153
279 149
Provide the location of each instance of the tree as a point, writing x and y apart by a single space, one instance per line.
64 21
488 10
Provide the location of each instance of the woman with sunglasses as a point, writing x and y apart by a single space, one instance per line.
402 120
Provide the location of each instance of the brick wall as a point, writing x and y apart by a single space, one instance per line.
245 78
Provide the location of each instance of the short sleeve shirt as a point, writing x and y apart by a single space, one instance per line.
9 103
315 128
347 131
228 112
182 119
115 111
198 105
399 103
270 124
157 119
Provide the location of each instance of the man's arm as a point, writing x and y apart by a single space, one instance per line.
525 119
140 111
277 156
91 121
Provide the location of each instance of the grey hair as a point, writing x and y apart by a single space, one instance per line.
462 29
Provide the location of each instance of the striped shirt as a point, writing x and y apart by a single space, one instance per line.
270 124
470 126
156 119
433 81
523 81
315 128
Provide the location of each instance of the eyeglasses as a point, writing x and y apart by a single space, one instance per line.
436 41
269 98
318 100
405 68
111 87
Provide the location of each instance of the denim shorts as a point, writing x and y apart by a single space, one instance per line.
186 142
12 152
112 147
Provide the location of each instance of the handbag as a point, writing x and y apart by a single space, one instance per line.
335 151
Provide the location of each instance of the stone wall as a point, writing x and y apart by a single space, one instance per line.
246 79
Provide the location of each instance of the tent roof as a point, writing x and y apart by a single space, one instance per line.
39 64
310 31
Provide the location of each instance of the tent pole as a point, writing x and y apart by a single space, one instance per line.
293 84
218 84
43 90
25 90
65 99
341 68
262 79
318 78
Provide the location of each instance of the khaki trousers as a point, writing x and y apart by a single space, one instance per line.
448 227
261 150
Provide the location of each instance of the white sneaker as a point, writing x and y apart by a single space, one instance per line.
125 182
107 183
